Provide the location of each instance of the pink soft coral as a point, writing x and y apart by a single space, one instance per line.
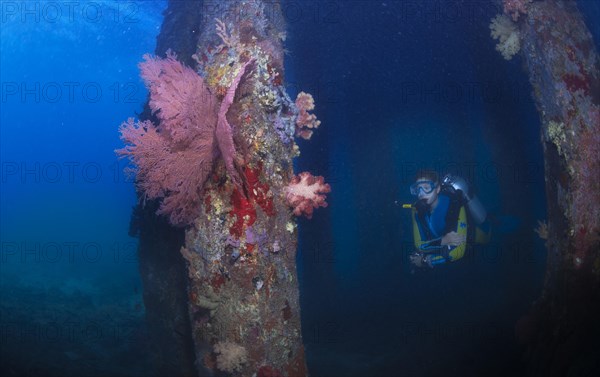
305 122
306 192
174 159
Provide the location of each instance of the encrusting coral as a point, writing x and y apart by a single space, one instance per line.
230 356
514 8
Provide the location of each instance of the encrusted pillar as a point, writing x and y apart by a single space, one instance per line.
215 151
241 250
563 66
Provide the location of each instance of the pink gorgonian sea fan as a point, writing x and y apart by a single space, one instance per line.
174 159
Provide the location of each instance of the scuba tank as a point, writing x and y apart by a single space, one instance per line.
457 184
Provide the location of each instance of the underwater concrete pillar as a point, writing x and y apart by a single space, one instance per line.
563 66
239 253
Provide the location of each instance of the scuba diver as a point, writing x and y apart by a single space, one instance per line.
446 216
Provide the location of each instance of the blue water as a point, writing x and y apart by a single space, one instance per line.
398 86
71 296
409 99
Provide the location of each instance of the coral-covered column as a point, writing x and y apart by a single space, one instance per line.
564 71
217 156
241 249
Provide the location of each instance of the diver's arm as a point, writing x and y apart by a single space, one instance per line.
441 256
453 239
450 239
438 254
430 246
435 245
427 253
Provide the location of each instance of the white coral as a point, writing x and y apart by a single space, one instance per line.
230 356
507 34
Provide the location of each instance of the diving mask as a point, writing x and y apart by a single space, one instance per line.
426 186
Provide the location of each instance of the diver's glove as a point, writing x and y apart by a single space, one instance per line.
457 184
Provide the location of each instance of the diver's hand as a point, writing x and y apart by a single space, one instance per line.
420 260
416 259
453 239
